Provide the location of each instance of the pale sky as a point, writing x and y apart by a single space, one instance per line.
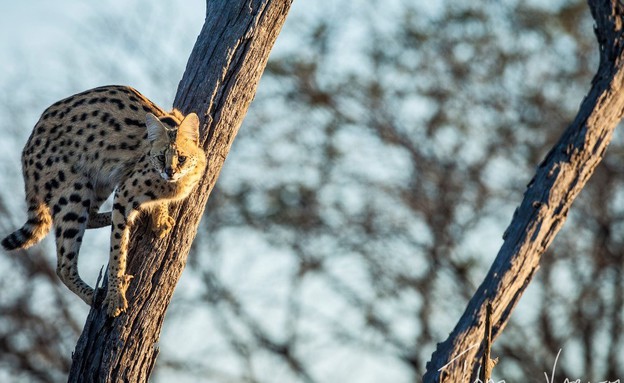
39 25
40 28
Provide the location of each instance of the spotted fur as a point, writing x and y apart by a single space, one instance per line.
87 146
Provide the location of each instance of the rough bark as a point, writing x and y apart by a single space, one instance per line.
544 208
219 83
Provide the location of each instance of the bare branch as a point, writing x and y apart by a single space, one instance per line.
547 200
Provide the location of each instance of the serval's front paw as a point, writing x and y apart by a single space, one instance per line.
116 303
115 300
162 225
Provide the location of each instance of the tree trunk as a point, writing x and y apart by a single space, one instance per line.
219 83
547 200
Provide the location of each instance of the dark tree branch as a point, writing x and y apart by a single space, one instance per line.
219 83
487 364
547 200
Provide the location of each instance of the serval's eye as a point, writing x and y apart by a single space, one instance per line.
181 159
160 158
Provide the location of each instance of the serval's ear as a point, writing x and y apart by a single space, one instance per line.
155 129
189 128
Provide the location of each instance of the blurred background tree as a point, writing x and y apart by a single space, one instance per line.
362 202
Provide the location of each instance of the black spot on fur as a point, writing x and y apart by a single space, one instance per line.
118 102
133 122
79 102
135 146
70 217
169 121
70 233
120 208
34 221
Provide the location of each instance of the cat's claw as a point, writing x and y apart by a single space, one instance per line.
116 304
163 226
115 301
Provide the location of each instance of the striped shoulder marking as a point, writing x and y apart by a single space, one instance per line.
155 108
